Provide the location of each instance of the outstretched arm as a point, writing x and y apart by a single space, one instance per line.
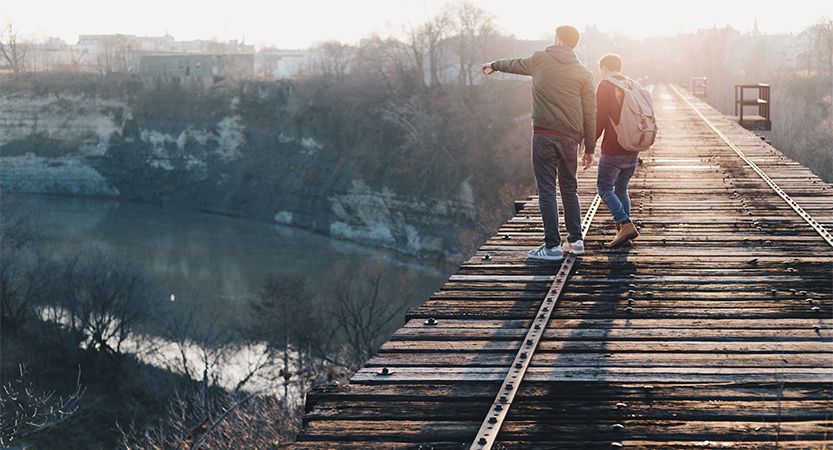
520 66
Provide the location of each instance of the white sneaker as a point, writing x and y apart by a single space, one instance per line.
548 254
576 248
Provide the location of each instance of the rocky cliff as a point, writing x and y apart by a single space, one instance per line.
313 155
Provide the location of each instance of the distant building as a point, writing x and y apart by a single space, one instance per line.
106 53
274 63
109 53
206 46
197 70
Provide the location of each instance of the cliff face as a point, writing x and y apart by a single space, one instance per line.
261 151
45 140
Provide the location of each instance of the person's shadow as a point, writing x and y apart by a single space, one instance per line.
586 347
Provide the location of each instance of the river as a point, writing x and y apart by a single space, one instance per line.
216 263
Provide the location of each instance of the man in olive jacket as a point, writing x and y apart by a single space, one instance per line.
563 115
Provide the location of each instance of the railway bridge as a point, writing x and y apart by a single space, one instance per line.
713 330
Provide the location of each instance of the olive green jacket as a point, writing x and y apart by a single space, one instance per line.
563 92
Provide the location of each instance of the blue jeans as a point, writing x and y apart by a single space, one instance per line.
615 172
554 157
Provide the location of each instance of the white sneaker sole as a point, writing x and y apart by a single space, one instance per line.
545 258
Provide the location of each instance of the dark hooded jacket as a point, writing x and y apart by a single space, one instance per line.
563 92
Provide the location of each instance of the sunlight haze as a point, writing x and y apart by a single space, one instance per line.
299 24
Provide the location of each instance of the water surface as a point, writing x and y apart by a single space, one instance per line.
216 263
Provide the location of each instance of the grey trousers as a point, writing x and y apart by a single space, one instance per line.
556 157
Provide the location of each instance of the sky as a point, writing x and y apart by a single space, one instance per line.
301 23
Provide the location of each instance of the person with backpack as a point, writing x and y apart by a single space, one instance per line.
563 115
625 114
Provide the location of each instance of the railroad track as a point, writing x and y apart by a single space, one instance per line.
714 329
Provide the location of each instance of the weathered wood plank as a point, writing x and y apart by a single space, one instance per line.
618 374
603 360
721 347
651 346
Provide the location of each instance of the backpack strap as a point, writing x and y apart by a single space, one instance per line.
621 84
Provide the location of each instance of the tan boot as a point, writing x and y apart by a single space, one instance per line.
627 231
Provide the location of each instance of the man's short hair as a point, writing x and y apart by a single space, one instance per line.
611 62
568 35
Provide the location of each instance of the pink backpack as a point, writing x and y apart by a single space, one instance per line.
637 128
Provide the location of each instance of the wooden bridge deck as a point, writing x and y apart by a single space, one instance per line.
714 329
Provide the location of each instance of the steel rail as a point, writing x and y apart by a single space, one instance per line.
826 235
489 429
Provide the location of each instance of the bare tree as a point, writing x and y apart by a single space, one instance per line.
822 35
201 346
21 266
204 418
426 40
390 61
25 411
333 59
114 55
13 49
76 58
104 296
473 27
822 43
285 317
362 314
